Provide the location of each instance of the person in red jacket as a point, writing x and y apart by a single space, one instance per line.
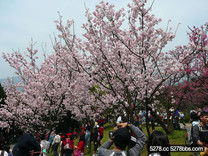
69 145
101 133
81 146
83 128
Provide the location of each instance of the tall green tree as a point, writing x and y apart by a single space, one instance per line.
2 92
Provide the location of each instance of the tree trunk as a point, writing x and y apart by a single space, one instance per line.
169 129
147 119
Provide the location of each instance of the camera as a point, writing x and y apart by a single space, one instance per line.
111 134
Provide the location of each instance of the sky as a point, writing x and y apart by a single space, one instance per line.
23 20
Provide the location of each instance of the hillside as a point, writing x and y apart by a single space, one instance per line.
16 80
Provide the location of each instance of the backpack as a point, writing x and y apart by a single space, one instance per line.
190 134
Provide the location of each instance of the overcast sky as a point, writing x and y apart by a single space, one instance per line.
23 20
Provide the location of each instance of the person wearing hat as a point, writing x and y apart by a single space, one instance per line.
121 139
27 145
69 145
62 149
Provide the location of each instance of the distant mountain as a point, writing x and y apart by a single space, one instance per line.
16 80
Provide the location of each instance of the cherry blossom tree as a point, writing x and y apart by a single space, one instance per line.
190 78
120 62
36 103
123 53
195 68
79 97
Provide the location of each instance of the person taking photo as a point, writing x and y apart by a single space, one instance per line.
121 139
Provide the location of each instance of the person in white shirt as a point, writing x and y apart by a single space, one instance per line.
4 153
119 120
44 145
55 143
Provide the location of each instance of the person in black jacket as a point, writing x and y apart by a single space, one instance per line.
26 145
96 138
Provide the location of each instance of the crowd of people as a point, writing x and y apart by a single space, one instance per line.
72 143
124 134
64 145
176 116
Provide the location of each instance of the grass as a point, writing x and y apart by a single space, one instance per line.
178 138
